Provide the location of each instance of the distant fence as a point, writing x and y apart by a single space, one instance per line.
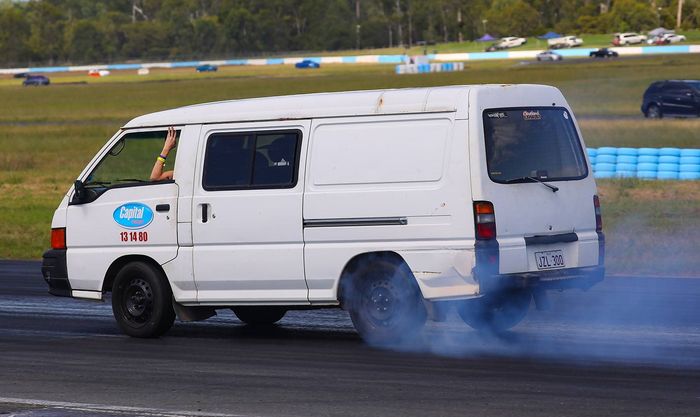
645 163
368 59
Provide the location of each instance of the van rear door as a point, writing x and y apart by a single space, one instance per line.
533 168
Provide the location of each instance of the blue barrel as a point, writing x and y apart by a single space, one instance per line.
606 158
626 159
689 160
668 167
604 166
690 152
626 174
667 159
604 174
592 159
592 151
627 151
625 167
647 166
689 175
647 158
606 150
669 152
648 151
667 175
689 167
647 175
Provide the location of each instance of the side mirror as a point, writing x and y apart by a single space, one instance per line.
80 195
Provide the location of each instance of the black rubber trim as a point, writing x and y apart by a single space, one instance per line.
163 207
55 271
549 239
369 221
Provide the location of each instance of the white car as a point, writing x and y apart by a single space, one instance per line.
511 42
628 38
392 204
673 38
565 42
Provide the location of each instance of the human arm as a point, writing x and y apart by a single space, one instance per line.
157 173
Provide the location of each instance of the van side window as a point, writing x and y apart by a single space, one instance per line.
251 160
130 161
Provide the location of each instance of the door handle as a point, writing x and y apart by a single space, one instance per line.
205 213
163 207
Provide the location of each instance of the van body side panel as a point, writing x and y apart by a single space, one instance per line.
529 209
389 183
248 242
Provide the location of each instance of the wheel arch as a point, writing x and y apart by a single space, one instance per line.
122 261
352 265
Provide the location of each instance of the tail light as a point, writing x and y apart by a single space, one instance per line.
598 217
58 238
484 220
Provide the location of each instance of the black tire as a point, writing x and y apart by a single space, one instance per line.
653 112
496 312
384 301
142 301
259 315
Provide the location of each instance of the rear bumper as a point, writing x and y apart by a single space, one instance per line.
582 278
55 272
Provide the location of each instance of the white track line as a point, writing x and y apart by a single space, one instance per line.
100 408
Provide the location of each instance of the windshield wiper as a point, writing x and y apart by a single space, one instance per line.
533 179
102 183
129 180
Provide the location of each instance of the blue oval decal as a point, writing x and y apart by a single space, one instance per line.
133 215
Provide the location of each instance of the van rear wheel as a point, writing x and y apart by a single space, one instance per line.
496 312
384 302
142 301
259 315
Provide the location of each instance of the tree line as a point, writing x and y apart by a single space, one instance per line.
34 32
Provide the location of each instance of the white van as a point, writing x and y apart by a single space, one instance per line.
393 204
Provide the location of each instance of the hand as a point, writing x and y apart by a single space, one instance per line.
170 141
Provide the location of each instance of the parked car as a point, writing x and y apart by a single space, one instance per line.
207 68
494 47
673 38
564 42
36 80
511 42
549 56
307 63
672 98
603 53
629 38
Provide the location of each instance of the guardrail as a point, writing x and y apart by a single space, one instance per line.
645 163
367 59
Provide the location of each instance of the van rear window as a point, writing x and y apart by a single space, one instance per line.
536 142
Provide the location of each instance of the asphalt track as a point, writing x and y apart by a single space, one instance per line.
630 346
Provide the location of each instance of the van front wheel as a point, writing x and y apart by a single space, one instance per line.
496 312
142 301
384 302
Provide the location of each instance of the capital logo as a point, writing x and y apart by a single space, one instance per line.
133 215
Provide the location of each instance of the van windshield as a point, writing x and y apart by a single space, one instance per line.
534 142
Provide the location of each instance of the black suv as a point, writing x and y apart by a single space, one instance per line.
672 98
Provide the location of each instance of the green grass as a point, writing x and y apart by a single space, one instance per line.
651 227
47 135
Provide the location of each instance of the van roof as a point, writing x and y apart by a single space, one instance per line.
307 106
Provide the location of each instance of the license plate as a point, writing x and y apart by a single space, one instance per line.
549 259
